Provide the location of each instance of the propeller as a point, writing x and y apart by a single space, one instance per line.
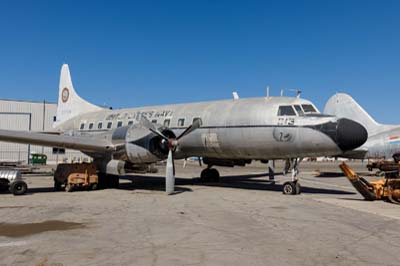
172 144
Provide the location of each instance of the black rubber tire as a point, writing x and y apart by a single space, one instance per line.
113 181
108 181
209 175
289 188
57 186
18 188
94 186
214 175
205 175
102 181
69 188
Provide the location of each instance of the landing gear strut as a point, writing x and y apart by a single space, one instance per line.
271 171
293 187
209 175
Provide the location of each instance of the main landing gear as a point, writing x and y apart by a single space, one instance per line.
292 187
209 175
108 181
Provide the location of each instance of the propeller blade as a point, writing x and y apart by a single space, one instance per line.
196 124
173 163
169 174
150 126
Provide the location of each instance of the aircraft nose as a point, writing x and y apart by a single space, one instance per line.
350 134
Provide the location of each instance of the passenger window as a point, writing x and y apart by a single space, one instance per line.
109 125
166 122
130 123
119 124
197 119
308 108
299 110
154 121
82 126
286 110
181 122
100 125
91 126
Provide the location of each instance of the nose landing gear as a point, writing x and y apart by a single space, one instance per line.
293 187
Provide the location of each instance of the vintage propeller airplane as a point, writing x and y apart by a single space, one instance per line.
224 133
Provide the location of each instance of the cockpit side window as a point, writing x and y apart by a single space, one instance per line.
308 108
299 110
286 110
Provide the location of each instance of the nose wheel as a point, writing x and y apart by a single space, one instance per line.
291 188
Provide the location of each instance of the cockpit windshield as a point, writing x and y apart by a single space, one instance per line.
299 110
286 110
308 108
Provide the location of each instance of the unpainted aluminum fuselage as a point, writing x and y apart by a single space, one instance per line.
231 129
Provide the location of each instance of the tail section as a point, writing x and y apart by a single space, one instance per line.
69 102
343 105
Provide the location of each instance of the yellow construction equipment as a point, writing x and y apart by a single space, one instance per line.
76 175
387 188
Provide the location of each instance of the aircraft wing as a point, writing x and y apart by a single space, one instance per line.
81 143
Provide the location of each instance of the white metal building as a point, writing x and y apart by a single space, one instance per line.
34 116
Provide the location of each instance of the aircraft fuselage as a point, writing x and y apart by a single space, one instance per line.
249 128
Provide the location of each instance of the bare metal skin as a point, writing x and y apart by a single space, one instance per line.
264 128
383 140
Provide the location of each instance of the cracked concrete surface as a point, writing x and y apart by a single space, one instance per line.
240 221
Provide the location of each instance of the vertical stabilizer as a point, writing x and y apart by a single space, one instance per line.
69 102
343 105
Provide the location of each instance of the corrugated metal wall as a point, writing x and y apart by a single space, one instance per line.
35 116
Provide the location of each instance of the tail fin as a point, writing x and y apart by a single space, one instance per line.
343 105
69 102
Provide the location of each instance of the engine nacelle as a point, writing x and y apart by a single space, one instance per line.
138 145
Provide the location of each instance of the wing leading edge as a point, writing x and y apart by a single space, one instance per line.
81 143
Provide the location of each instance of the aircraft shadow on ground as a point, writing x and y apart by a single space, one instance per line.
250 182
157 183
330 174
36 190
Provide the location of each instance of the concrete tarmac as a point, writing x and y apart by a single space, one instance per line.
242 220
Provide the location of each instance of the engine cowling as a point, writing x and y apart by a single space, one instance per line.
138 145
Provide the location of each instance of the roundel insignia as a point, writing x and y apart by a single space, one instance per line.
65 95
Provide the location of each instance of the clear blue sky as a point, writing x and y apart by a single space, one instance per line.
155 52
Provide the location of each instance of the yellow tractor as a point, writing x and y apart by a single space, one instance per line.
76 175
387 188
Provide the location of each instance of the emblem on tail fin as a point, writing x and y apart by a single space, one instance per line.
65 95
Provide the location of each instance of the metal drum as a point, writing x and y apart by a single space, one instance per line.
10 175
